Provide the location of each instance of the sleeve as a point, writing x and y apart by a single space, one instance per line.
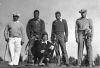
91 26
43 27
76 29
52 31
39 48
6 32
23 33
28 29
66 29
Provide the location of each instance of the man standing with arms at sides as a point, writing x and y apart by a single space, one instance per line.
84 35
60 29
35 28
14 35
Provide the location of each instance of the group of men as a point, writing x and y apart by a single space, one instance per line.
39 46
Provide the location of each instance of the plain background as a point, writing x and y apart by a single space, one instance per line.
69 10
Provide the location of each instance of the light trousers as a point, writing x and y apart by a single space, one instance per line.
87 43
15 49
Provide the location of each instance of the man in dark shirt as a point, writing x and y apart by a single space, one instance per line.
59 27
14 35
35 28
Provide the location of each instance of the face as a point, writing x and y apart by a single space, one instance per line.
58 16
45 37
83 14
36 15
15 18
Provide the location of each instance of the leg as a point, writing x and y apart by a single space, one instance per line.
89 51
17 51
57 53
11 48
41 57
63 47
29 54
80 49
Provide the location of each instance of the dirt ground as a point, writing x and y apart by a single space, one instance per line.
22 65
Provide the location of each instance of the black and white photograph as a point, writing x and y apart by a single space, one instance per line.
49 34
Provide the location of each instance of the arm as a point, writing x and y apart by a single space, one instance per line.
66 31
23 34
52 31
6 33
91 27
76 31
43 27
28 29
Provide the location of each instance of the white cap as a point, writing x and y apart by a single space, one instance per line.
16 14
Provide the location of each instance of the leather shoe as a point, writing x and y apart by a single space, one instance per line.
15 65
10 65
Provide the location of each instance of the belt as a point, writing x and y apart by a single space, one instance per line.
14 36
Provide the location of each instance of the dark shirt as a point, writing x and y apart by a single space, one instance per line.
35 27
60 27
43 46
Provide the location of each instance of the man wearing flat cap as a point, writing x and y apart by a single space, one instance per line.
14 36
84 35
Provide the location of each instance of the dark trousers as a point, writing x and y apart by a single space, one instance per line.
87 42
62 44
30 45
56 48
29 53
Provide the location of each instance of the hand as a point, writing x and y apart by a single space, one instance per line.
7 39
65 39
51 47
91 39
77 40
42 51
22 42
37 36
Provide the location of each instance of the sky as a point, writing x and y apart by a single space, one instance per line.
69 10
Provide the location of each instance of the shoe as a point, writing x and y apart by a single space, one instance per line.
10 64
41 64
67 65
15 65
29 64
47 64
58 64
91 65
78 65
35 64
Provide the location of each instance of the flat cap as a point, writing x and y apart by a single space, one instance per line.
16 14
82 11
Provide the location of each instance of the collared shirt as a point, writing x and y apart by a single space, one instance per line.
35 28
36 21
60 20
44 41
15 21
59 27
